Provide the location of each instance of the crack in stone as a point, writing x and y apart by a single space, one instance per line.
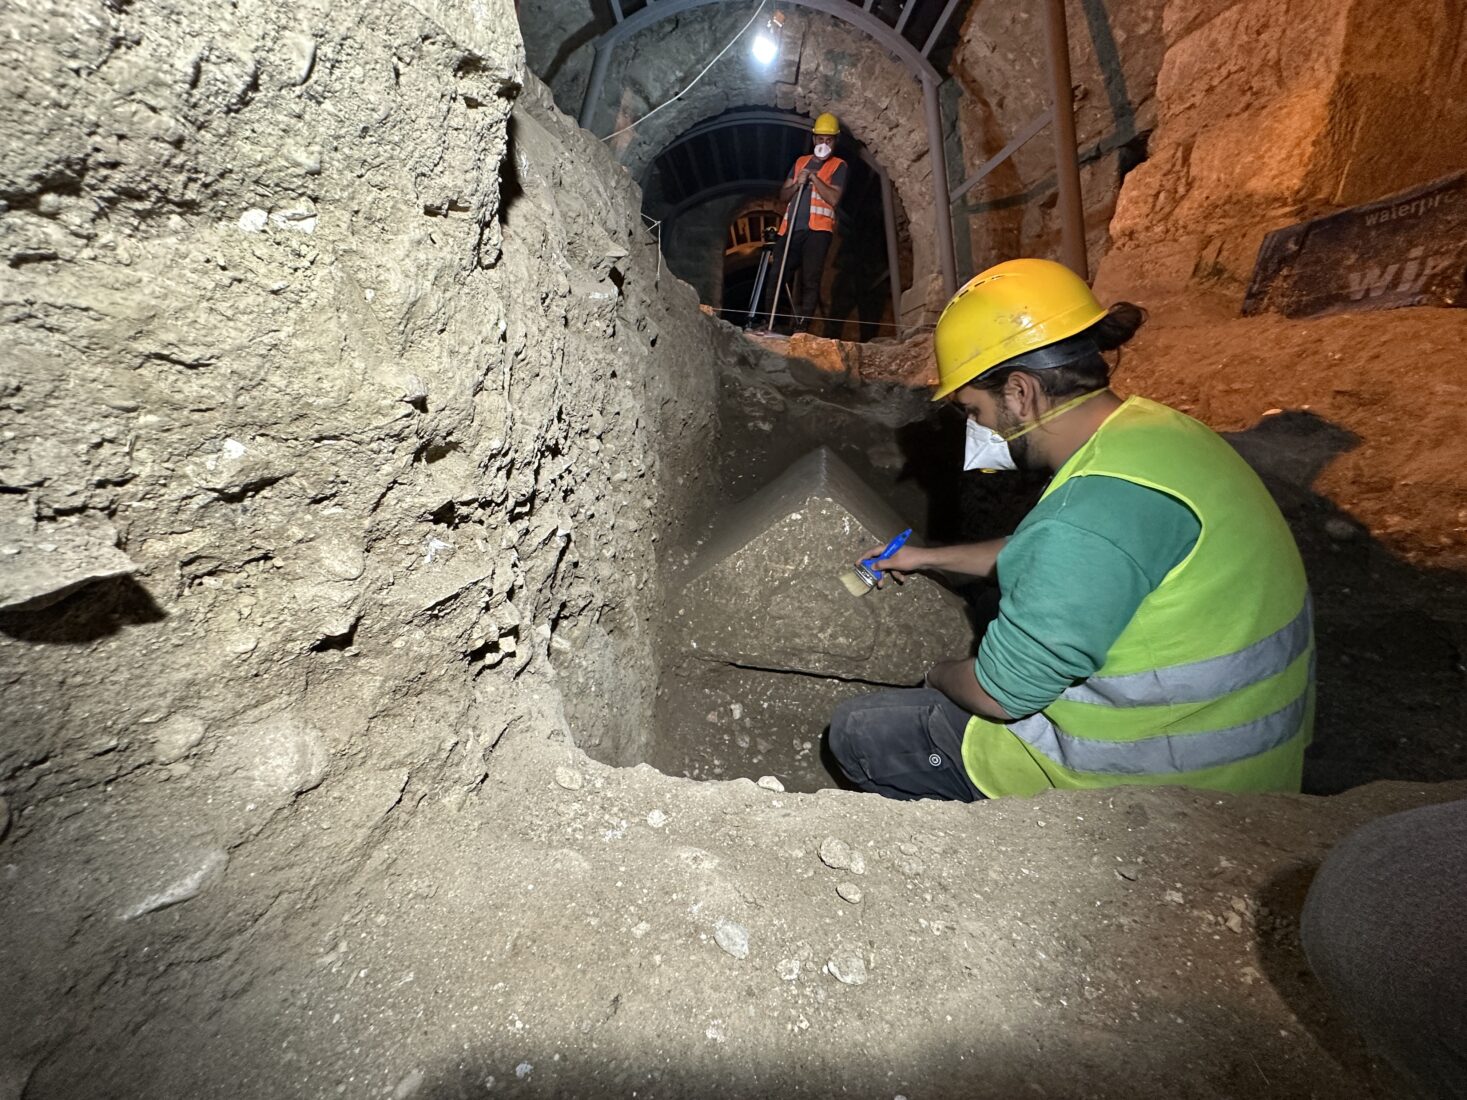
803 672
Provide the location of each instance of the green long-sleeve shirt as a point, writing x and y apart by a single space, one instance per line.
1071 577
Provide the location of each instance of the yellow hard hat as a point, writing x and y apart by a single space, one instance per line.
1012 308
827 125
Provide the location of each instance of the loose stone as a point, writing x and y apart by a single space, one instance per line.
847 969
409 1085
206 871
733 938
835 854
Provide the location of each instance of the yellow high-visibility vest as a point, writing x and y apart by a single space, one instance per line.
1211 684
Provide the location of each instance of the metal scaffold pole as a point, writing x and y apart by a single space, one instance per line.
1067 157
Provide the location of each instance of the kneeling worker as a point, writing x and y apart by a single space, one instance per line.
1154 621
807 241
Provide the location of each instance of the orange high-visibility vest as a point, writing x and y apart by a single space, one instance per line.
822 217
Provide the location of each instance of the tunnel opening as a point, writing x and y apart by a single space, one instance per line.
703 188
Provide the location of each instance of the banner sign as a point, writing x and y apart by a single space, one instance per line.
1406 250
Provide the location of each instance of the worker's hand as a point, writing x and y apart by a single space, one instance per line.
906 560
804 175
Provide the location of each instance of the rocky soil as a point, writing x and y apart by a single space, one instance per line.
344 387
581 930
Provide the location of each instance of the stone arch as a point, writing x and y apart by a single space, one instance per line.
825 64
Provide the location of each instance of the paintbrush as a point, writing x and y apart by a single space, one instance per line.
863 578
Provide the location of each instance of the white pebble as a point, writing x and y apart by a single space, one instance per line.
770 783
847 969
409 1085
657 819
733 938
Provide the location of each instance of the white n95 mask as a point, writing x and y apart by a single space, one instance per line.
822 150
984 449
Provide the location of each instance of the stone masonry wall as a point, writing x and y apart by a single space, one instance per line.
1000 65
693 246
355 348
824 65
1275 112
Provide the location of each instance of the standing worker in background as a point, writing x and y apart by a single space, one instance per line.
1154 621
807 241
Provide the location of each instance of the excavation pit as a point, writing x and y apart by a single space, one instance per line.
763 640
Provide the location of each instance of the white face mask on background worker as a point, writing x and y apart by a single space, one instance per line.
822 150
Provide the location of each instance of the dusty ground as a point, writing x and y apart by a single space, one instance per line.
577 930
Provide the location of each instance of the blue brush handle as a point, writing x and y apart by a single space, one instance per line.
891 548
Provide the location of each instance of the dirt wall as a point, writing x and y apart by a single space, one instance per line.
346 358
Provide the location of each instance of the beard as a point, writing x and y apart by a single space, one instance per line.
1019 449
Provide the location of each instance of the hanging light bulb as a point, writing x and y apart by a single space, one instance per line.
765 46
766 49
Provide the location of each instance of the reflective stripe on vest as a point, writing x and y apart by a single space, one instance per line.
1211 683
1169 752
1201 681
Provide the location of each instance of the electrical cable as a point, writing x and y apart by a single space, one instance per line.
695 79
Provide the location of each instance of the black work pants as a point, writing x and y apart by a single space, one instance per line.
1383 928
903 744
806 268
